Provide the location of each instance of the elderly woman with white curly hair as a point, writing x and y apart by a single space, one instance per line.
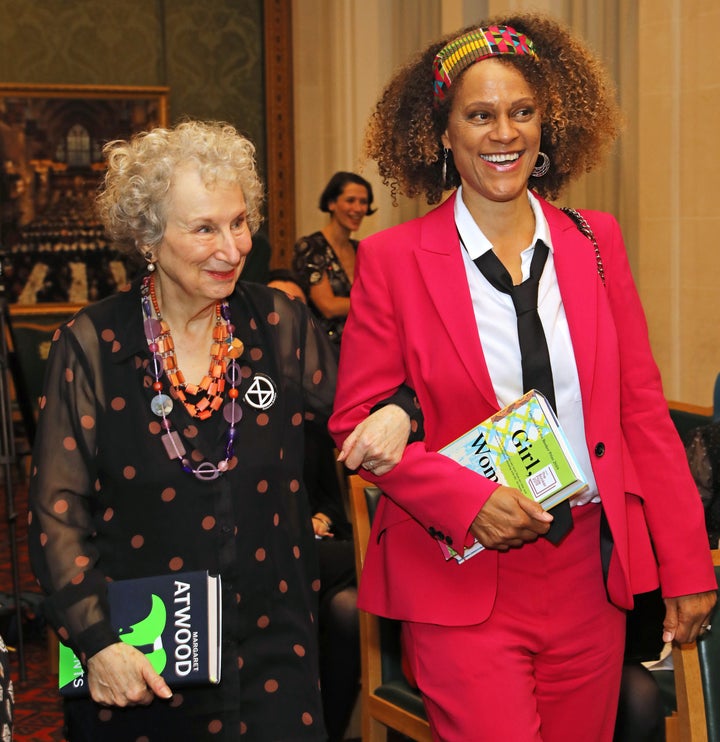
171 439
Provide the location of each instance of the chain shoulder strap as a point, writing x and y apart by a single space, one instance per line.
582 224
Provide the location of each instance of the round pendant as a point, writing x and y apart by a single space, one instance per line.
235 349
161 405
206 471
232 412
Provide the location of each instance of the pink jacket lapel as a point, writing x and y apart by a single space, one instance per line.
441 266
579 284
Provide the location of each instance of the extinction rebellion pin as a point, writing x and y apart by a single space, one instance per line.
262 392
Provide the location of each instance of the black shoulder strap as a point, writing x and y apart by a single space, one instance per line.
582 224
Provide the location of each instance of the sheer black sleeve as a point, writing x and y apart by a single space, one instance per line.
304 352
62 484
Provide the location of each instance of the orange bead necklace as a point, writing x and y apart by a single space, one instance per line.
208 393
223 368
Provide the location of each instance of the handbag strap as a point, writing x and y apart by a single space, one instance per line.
582 224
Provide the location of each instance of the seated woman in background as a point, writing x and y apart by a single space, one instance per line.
326 259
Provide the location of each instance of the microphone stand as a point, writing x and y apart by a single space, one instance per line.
8 458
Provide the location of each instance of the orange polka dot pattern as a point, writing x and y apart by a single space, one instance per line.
108 503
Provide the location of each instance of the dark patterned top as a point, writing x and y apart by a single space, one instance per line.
313 259
703 452
107 502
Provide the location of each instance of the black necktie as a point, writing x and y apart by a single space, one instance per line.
535 358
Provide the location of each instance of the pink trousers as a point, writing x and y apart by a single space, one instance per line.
545 666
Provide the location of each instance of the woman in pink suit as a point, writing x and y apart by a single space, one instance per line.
524 641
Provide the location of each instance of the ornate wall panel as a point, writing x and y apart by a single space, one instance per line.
114 42
215 63
210 54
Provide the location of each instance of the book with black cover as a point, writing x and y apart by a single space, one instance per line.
174 619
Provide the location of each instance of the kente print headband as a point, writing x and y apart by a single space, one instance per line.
473 46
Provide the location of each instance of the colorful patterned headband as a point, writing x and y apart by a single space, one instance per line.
473 46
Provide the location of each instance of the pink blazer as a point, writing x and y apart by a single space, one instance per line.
411 320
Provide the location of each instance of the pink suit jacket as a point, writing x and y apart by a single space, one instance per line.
412 321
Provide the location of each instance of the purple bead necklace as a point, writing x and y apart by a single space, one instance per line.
162 404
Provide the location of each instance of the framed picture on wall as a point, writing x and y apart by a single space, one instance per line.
51 163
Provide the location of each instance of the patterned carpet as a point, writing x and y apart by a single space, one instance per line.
38 709
38 713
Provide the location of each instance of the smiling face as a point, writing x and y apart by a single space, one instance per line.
206 241
350 207
493 131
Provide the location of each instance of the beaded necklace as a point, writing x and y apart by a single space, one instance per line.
223 368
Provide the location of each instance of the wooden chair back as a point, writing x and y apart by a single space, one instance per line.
387 701
697 686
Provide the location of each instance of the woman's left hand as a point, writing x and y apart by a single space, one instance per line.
378 442
322 526
688 616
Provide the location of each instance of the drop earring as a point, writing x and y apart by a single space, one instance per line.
150 260
444 167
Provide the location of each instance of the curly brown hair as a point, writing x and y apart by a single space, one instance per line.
580 116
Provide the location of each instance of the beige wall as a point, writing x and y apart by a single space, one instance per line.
659 181
344 51
679 223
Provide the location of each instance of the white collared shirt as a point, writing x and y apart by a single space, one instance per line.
497 327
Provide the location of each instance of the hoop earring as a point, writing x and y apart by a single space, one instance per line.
150 260
542 169
444 167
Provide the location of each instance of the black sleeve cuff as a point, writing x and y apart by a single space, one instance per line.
405 398
94 639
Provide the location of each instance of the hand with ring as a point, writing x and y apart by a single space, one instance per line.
688 616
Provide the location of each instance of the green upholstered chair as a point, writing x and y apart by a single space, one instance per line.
387 700
716 399
697 686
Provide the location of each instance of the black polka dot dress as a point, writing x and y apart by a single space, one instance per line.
107 502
